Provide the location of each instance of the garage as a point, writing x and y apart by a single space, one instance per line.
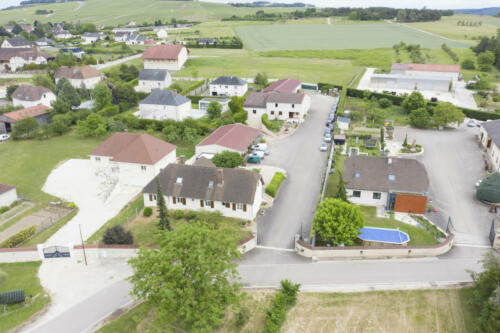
408 203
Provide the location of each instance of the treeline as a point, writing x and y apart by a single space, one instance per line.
452 54
488 52
268 4
359 14
469 23
414 51
35 2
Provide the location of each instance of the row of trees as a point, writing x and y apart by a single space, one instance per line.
422 115
488 52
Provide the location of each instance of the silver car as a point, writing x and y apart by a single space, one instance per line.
4 137
323 147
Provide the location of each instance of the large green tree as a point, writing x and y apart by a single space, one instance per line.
414 101
190 277
447 113
26 127
260 79
338 222
95 125
67 93
227 159
43 80
164 222
236 104
419 118
102 96
214 110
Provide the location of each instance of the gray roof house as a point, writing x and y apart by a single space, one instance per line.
165 97
229 80
44 41
153 75
16 43
165 104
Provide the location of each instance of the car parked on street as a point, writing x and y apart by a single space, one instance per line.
471 123
327 138
4 137
323 147
253 159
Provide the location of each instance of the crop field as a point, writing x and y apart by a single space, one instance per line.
336 36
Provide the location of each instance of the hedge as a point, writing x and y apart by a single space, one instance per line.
396 100
480 115
275 184
215 46
271 125
195 98
192 87
19 238
322 86
282 302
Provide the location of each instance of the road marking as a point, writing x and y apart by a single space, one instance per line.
274 248
93 327
473 245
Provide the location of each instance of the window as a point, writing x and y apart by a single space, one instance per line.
356 194
239 206
254 111
179 181
208 203
98 159
154 197
272 112
280 113
178 199
391 177
143 167
293 106
211 184
377 195
357 175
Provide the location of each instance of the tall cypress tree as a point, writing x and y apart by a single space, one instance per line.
341 192
164 223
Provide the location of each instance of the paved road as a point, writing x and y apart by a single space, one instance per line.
117 62
299 155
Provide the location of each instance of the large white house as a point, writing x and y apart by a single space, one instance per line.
79 76
27 96
231 191
14 58
171 57
490 139
150 79
228 86
92 37
277 105
131 158
17 43
8 195
165 104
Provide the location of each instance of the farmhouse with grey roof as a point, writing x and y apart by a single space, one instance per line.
277 105
165 104
150 79
490 139
228 86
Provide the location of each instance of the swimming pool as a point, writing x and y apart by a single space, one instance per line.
382 235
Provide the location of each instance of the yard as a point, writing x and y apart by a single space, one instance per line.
360 106
22 276
388 311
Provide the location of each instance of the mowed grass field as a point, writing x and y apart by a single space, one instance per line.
336 36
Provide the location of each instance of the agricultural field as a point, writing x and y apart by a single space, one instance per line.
336 36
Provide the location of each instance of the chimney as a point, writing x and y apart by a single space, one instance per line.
220 177
389 160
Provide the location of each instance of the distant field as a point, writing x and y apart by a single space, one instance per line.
336 36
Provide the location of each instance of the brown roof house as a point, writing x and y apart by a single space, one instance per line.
398 184
12 59
27 96
233 192
79 76
235 137
39 112
134 159
8 195
170 57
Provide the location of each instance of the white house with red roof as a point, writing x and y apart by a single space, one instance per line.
277 105
170 57
235 137
285 86
133 159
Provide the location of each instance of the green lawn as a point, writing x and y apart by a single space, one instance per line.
22 276
336 36
394 112
417 235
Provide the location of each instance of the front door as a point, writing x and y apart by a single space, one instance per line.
391 201
291 114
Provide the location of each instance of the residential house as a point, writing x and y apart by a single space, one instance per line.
8 195
235 138
15 58
291 86
17 43
27 96
61 34
277 105
79 76
170 57
490 139
231 191
150 79
92 37
162 34
130 24
39 112
165 104
8 28
398 184
228 86
207 41
26 27
343 123
132 158
122 36
135 39
44 41
76 51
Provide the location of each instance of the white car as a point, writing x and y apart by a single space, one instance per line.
258 153
260 146
323 147
4 137
471 123
327 138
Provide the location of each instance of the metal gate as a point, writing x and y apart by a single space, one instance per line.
56 252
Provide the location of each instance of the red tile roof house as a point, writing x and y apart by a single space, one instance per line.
8 195
235 137
27 96
284 86
170 57
277 105
134 159
39 112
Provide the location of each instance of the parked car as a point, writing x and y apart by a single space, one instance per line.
327 131
260 146
471 123
327 138
323 147
4 137
253 159
258 153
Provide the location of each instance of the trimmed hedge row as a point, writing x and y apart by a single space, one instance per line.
396 100
275 184
195 98
282 302
19 238
272 126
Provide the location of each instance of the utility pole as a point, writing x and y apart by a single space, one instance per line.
83 245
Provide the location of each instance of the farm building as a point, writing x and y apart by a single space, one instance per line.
133 159
150 79
8 194
451 72
79 76
9 119
235 137
27 96
409 82
285 86
165 104
232 192
169 57
277 105
397 184
228 86
490 139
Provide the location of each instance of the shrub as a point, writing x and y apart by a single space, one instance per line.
178 214
468 64
283 301
148 211
190 215
4 209
384 103
19 238
275 183
227 159
242 318
431 228
117 235
270 125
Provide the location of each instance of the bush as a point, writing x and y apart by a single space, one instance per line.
468 64
117 235
275 183
19 238
190 215
270 125
384 103
227 159
242 318
148 211
178 214
431 228
282 302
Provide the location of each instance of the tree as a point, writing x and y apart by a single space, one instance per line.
419 118
414 101
240 117
117 235
163 223
384 103
405 141
338 222
17 29
260 79
190 134
190 277
446 113
382 138
236 104
485 61
10 91
43 81
59 106
172 132
94 125
26 127
227 159
68 94
102 96
58 125
341 192
483 84
214 110
468 64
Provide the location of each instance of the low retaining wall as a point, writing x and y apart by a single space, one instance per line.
373 252
19 255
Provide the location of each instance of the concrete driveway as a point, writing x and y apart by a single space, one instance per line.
299 155
454 163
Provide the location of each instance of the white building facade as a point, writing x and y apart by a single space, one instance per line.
228 86
8 194
490 139
169 57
